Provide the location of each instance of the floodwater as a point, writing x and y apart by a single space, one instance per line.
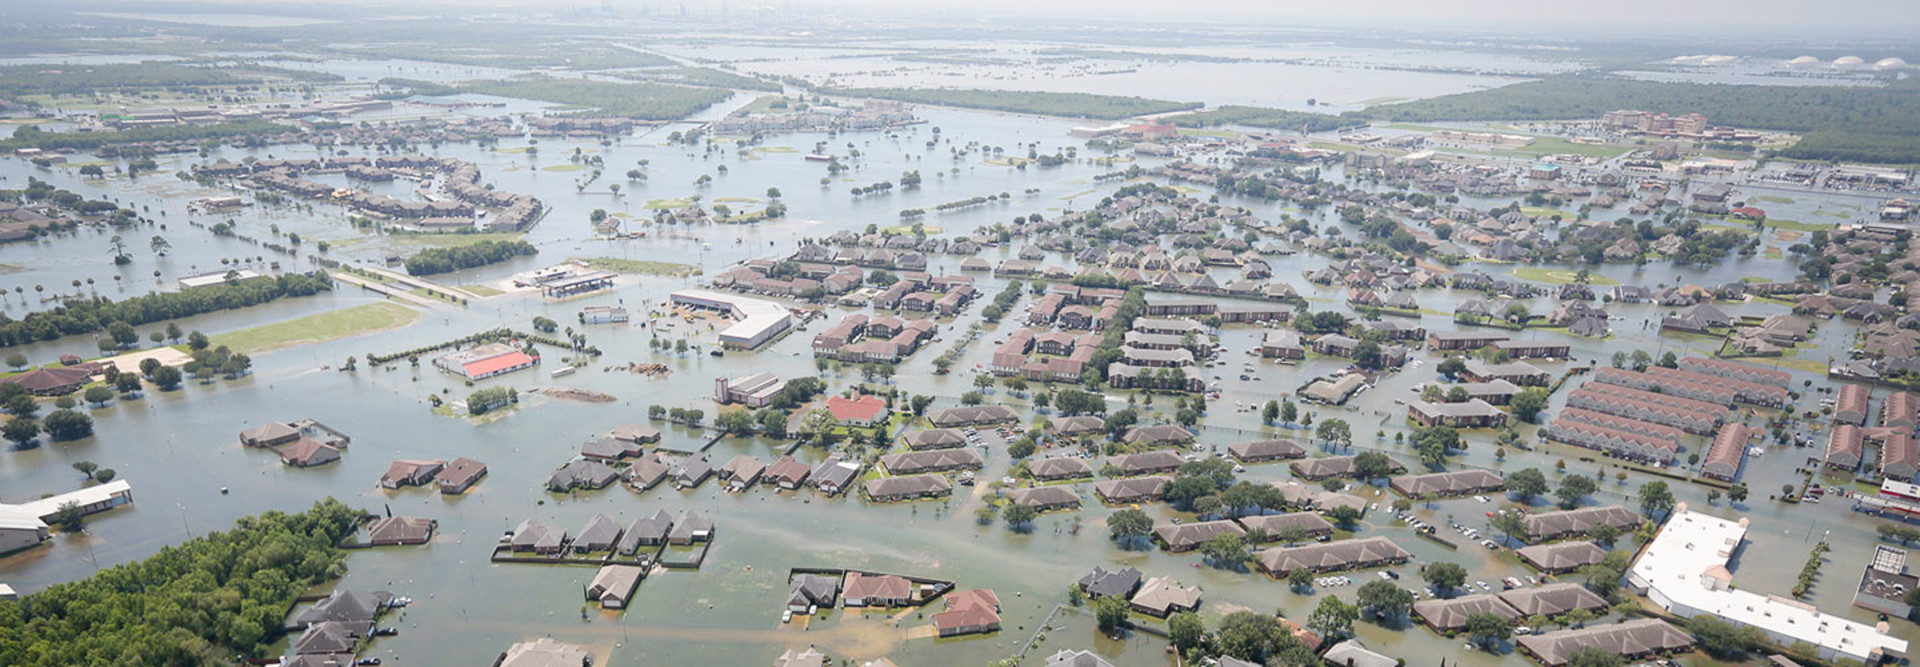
179 448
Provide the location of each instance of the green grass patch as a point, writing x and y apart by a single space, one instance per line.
319 328
564 167
638 266
481 290
908 229
1796 226
1546 212
1541 274
736 200
451 240
668 204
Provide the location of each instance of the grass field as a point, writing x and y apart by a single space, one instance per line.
564 167
668 204
638 266
908 229
1797 226
1541 274
451 240
481 290
319 328
1545 212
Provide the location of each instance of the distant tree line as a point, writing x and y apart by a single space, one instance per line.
1077 105
93 314
442 260
30 136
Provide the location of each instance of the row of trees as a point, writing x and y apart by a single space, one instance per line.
95 314
442 260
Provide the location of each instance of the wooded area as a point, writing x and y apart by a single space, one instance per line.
192 604
442 260
88 315
1074 105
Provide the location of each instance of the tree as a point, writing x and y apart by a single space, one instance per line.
1527 484
173 332
86 468
126 383
104 475
1111 612
920 403
1270 413
23 405
197 341
1384 599
69 517
1333 618
1737 493
166 378
1252 636
1368 466
1299 578
67 425
1335 432
1451 366
1604 534
148 366
20 430
1512 524
1433 444
986 514
1655 498
1019 517
1185 629
1289 412
1486 628
1528 403
1573 489
1129 524
16 361
1594 656
1725 640
1344 516
123 333
1226 550
1445 576
98 395
1021 448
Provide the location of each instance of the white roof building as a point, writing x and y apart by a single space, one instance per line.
759 319
96 498
1684 570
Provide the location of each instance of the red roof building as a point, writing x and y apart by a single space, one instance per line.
866 409
969 612
491 366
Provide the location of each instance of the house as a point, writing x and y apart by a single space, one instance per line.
876 590
610 450
1844 447
977 415
1311 526
1101 583
1131 490
1550 526
1168 435
1325 467
647 472
401 530
646 531
1161 597
344 606
807 592
1352 653
601 534
269 434
1630 640
1069 658
1332 556
1852 405
1517 372
306 453
691 473
833 475
331 638
460 475
968 612
53 381
543 652
1282 344
1146 463
1450 615
1262 451
613 585
787 473
1046 498
411 472
910 487
1553 600
1188 536
1444 484
1561 557
939 438
1474 413
1728 452
581 475
1899 456
691 527
1053 469
940 460
865 410
741 472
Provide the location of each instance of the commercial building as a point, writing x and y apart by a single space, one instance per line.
96 498
1885 583
754 391
756 320
1684 571
485 361
19 530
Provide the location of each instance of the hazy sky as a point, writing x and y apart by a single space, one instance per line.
1879 17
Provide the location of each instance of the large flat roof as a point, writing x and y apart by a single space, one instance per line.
1676 566
98 493
757 316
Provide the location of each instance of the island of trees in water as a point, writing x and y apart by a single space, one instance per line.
442 260
194 604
